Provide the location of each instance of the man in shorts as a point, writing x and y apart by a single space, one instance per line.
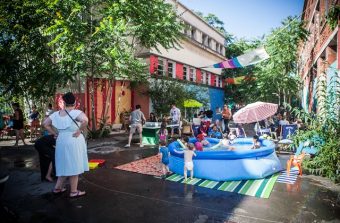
226 116
136 121
175 115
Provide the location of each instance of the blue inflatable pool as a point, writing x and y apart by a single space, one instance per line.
223 165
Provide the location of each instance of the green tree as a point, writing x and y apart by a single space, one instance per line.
164 92
240 93
26 65
276 79
99 38
218 24
322 130
278 75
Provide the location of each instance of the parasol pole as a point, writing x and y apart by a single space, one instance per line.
257 123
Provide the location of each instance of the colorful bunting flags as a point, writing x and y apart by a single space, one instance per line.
250 58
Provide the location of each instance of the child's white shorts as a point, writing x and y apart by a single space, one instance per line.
189 165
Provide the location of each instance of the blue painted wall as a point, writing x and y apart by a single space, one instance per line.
216 97
210 97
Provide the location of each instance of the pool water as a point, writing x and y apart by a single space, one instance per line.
243 146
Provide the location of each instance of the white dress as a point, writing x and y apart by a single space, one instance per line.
71 152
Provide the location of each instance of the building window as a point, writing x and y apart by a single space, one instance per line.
204 76
192 75
160 68
171 69
185 73
209 42
204 39
213 45
193 33
188 30
221 50
207 79
220 82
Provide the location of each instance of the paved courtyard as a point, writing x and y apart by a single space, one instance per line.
118 196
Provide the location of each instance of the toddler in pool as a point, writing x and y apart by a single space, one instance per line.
232 135
227 143
256 142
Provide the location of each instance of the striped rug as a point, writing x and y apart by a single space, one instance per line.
283 178
257 188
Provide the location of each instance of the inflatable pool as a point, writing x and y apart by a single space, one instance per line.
219 164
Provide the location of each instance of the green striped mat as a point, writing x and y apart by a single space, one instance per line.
256 188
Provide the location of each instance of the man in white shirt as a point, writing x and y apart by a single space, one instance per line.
175 115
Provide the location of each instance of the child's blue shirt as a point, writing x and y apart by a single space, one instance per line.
165 154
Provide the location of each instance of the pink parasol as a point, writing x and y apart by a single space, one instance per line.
255 112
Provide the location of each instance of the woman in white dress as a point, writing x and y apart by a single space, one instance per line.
71 152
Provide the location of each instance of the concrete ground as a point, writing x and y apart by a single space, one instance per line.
118 196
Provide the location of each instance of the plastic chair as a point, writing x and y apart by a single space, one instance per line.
195 129
295 160
287 131
187 130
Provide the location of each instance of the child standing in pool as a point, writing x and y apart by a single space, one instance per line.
225 142
164 151
188 164
256 143
232 135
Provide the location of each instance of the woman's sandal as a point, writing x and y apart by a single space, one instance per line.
76 194
57 191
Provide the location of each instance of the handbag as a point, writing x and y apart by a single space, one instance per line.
76 124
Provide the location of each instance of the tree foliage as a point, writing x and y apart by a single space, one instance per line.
323 132
99 37
278 75
218 24
164 92
240 93
26 63
276 79
333 16
46 44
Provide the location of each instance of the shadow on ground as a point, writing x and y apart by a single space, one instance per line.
119 196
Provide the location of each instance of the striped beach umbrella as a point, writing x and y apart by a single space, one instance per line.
255 112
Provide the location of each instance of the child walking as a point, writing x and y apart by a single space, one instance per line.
163 133
188 164
164 151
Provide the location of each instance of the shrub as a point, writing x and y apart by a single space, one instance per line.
323 131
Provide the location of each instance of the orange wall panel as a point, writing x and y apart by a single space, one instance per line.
140 98
122 98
